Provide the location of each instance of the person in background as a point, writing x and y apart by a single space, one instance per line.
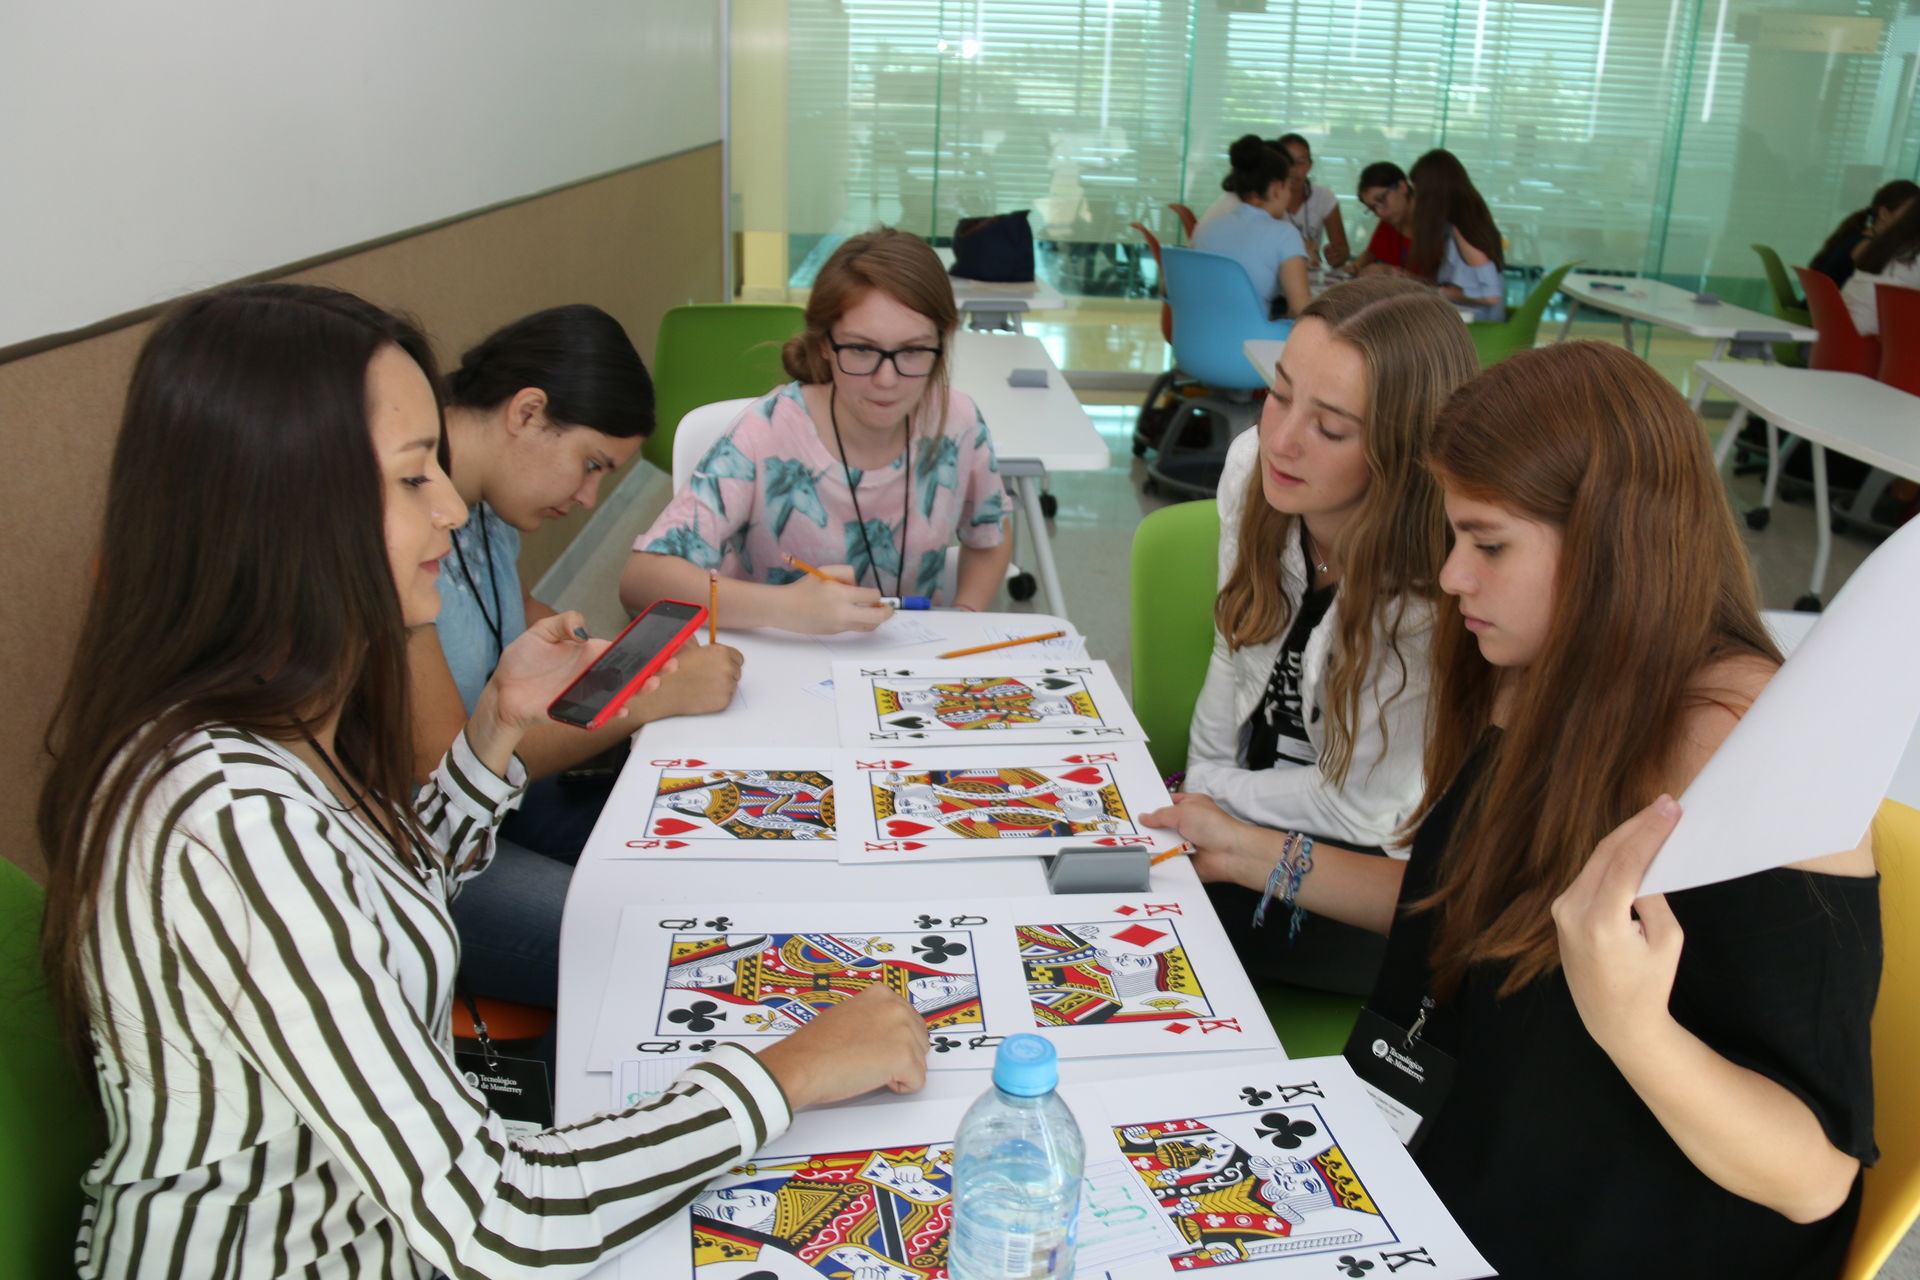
1385 191
1699 1063
1835 258
1313 714
1255 231
246 928
1891 256
538 416
1313 210
1455 242
868 466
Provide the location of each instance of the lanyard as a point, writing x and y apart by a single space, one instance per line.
498 614
906 499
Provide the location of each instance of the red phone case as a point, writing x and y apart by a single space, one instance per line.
632 686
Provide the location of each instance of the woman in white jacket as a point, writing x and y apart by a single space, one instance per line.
1313 715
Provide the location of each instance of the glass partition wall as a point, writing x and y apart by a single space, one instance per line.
1655 136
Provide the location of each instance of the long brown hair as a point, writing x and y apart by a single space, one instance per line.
1653 587
1416 353
1443 196
243 581
898 264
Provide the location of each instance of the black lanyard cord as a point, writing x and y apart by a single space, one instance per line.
906 500
498 615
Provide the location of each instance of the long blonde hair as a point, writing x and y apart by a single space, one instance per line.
1653 587
1416 353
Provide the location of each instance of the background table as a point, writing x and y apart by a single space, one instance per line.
999 306
1856 415
1035 430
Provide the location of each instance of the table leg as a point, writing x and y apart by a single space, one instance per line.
1626 332
1566 327
1700 387
1823 522
1027 490
1724 449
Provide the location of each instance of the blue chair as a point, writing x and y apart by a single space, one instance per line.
1215 311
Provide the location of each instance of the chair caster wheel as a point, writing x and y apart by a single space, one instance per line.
1049 505
1758 517
1807 604
1139 448
1150 487
1022 586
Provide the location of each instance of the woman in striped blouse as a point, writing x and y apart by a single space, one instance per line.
247 923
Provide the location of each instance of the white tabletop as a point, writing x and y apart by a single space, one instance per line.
1855 415
1672 307
1264 355
984 295
1046 424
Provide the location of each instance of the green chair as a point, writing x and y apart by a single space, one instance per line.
49 1122
714 351
1495 342
1175 558
1787 305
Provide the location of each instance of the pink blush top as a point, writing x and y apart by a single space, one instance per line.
769 488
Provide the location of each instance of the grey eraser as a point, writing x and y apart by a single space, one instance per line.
1094 869
1027 378
1707 299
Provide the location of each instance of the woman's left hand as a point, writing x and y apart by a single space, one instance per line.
1620 969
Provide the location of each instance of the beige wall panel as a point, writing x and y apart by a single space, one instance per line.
635 244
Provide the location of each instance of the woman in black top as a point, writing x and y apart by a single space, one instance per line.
1639 1085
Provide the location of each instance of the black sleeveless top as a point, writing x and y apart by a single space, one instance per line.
1545 1154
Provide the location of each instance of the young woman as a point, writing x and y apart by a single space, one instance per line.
867 466
1687 1077
1835 258
538 416
246 924
1313 714
1455 242
1313 211
1256 233
1891 256
1385 191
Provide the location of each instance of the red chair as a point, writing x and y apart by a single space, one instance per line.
1899 336
1188 220
1840 348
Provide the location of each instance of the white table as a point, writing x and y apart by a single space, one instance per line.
1264 355
990 306
1855 415
1671 307
1035 430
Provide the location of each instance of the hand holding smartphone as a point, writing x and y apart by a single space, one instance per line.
634 657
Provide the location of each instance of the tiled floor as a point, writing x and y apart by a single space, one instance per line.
1098 512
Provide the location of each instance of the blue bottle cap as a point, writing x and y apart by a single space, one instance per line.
1026 1066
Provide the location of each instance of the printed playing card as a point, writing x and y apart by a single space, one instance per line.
1285 1171
968 701
997 802
725 804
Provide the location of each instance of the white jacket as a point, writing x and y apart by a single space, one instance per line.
1385 780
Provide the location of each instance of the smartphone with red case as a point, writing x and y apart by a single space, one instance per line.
636 655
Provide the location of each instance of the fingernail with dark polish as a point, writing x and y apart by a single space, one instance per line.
581 632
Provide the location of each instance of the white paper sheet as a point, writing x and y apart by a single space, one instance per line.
1804 770
1098 974
724 804
996 801
1060 648
972 701
904 629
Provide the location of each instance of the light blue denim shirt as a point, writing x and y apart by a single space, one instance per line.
486 561
1255 239
1483 281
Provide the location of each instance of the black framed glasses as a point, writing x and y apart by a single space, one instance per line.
1377 205
859 360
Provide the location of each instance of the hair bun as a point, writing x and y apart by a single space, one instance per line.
1248 152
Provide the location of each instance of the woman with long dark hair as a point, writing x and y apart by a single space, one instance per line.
246 923
1891 257
1834 258
1455 242
1696 1065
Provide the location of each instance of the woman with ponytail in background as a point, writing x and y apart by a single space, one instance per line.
1255 233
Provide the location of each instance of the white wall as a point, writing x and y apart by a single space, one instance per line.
150 149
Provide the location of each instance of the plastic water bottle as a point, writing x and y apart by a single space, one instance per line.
1016 1173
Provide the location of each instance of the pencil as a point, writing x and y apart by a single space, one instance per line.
1174 852
713 604
1003 644
806 568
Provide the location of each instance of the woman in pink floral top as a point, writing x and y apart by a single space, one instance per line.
868 466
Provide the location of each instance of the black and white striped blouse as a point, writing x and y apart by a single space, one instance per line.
271 1024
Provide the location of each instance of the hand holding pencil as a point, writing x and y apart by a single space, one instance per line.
828 601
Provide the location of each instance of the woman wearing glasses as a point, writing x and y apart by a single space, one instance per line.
867 465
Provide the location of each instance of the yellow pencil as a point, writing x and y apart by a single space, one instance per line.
806 568
713 604
1003 644
1174 852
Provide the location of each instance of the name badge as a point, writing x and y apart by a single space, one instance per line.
1407 1077
516 1089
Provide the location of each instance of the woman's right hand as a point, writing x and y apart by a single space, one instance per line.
829 608
1225 848
872 1040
